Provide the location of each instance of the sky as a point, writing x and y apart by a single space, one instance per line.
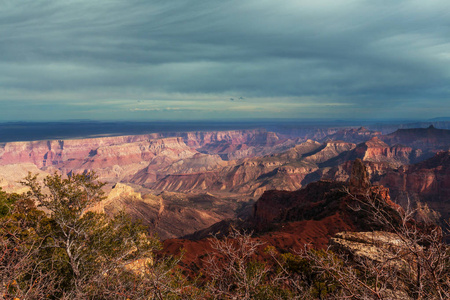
224 59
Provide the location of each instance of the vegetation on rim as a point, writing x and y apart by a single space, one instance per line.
65 251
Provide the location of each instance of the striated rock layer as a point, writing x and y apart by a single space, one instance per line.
286 170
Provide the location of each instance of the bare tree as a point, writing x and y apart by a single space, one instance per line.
420 244
232 269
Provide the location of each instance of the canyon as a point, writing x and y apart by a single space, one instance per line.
182 182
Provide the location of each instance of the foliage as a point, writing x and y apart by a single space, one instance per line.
65 251
74 253
21 272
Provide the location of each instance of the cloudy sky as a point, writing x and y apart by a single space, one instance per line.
224 59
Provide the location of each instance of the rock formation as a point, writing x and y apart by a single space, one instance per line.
359 178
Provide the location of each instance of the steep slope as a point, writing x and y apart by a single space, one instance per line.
382 153
121 161
196 163
11 175
427 182
152 155
378 156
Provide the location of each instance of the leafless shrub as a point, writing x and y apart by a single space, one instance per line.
232 268
359 278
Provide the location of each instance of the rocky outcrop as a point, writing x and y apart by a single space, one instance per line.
11 175
322 198
384 249
425 142
197 163
378 157
144 158
121 160
359 178
426 182
378 246
113 158
330 150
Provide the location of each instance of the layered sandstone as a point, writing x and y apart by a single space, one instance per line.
285 170
45 153
152 155
11 175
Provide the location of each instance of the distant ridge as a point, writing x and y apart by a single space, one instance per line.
35 131
76 129
419 137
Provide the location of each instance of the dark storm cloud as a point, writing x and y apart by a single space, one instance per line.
366 54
